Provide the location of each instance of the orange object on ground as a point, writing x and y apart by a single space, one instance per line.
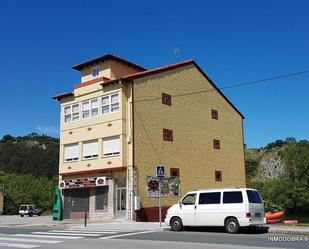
273 221
290 222
277 215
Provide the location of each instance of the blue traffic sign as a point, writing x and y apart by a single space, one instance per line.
160 171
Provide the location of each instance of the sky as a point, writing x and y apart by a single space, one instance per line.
232 41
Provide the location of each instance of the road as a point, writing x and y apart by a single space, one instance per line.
118 238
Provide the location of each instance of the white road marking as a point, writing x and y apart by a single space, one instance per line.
72 234
46 236
80 231
101 230
126 234
30 240
18 245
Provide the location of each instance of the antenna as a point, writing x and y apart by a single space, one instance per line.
177 52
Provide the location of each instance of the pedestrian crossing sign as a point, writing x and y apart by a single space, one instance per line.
160 171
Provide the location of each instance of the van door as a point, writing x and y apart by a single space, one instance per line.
233 205
187 209
208 209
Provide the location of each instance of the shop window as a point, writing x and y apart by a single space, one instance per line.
216 144
166 99
101 198
214 114
174 172
218 176
168 135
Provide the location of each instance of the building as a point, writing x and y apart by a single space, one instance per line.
122 120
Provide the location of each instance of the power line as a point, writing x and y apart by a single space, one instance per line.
231 86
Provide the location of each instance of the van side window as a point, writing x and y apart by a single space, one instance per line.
254 196
232 197
189 199
209 198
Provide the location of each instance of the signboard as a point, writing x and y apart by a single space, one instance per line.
160 171
82 182
169 186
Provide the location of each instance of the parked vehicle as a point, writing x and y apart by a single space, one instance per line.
30 210
229 207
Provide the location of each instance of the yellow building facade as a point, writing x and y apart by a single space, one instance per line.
122 121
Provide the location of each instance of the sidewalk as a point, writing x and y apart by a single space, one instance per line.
288 229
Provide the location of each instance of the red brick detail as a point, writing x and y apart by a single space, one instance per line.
109 162
216 144
214 114
168 135
109 124
150 214
78 215
174 172
166 99
218 176
89 82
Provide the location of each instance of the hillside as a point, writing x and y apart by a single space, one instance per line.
34 154
280 171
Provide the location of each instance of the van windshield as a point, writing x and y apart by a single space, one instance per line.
254 196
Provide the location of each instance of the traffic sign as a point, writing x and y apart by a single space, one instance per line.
160 171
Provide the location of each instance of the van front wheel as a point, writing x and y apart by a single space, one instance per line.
176 224
232 225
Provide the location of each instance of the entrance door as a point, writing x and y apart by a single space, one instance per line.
121 203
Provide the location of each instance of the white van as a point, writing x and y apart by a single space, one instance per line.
228 207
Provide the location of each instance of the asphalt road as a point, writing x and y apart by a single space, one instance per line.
70 238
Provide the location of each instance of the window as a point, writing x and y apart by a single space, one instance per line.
94 107
111 146
218 176
232 197
71 152
254 196
214 114
90 149
85 109
174 172
90 108
110 103
166 99
189 199
67 114
216 144
101 198
95 72
209 198
168 135
75 112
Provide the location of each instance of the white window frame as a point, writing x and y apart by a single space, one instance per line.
93 155
95 70
111 153
77 113
71 159
109 106
92 110
69 115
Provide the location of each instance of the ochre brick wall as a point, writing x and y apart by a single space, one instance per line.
193 132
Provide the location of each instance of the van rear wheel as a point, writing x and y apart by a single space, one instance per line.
176 224
231 225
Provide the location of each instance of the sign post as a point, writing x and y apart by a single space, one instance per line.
160 175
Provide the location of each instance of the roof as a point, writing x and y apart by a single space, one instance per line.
166 68
80 66
63 95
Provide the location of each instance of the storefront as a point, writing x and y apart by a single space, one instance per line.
102 198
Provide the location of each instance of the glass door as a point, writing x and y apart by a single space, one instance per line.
121 203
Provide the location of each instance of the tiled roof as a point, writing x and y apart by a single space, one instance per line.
80 66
